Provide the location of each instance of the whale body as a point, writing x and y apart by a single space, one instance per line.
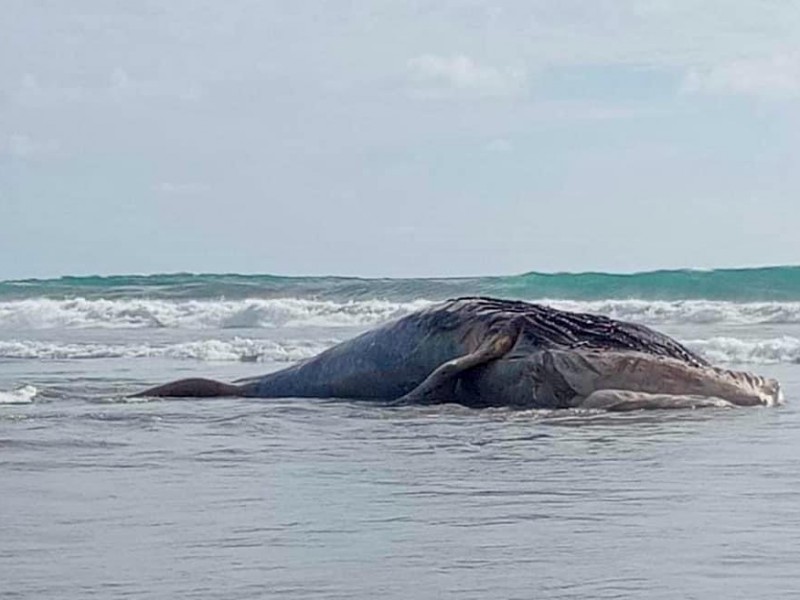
489 352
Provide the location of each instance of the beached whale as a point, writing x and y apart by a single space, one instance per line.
483 352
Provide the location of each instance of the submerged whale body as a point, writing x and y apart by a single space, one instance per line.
483 352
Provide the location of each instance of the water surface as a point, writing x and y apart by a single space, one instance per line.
104 497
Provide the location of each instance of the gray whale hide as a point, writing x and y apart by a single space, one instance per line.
483 352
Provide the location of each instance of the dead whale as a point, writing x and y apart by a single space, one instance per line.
489 352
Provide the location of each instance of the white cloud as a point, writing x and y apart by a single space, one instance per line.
32 93
118 86
499 145
182 188
25 147
122 86
776 77
437 75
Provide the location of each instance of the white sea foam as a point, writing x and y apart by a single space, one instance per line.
732 350
688 311
717 350
23 395
42 313
45 313
238 349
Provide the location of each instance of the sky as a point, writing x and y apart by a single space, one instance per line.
389 138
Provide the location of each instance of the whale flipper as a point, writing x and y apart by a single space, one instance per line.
439 386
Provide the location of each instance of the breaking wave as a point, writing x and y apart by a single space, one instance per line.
726 350
237 349
700 312
23 395
732 350
46 313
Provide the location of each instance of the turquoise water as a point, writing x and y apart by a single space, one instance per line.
739 285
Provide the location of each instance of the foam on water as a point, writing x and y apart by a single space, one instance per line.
700 312
46 313
732 350
717 350
238 349
22 395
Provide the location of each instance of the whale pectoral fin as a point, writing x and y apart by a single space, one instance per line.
624 400
193 388
439 386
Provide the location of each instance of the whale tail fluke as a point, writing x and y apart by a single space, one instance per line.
193 388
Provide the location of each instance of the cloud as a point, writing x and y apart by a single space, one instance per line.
115 87
182 188
121 86
434 75
774 78
25 147
499 146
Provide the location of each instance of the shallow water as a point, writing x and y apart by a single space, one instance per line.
235 498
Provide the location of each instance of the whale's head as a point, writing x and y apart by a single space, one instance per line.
587 372
760 390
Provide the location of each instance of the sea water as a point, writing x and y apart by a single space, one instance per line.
107 497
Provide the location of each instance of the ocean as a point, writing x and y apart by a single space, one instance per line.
109 497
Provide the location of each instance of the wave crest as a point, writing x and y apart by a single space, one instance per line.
44 313
237 349
718 350
701 312
732 350
23 395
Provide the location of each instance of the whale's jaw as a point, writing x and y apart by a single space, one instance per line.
591 372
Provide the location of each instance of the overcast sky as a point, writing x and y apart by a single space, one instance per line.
397 137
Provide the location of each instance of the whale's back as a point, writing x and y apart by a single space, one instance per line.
547 327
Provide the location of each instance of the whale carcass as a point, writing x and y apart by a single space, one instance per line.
483 352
